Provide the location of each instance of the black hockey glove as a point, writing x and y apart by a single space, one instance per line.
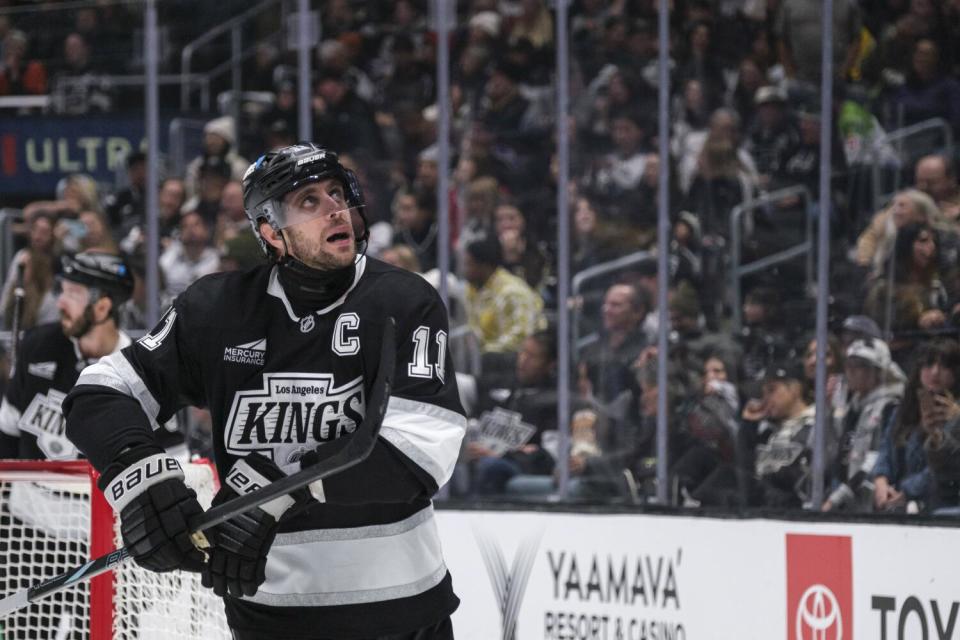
145 486
238 557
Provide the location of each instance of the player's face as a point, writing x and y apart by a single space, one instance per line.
72 303
320 233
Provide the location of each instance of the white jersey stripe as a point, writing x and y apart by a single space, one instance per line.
115 372
9 419
354 565
426 433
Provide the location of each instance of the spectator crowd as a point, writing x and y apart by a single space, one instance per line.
744 165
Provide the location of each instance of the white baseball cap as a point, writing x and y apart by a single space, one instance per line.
872 350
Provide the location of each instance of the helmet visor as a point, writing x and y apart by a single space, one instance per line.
315 197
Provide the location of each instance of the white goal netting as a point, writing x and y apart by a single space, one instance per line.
48 525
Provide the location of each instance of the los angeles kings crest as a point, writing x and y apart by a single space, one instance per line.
291 414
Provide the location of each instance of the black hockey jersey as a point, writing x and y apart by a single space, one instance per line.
366 561
48 364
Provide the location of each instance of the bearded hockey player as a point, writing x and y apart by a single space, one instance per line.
283 356
93 286
50 358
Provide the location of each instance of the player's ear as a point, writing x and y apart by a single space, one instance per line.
102 308
271 237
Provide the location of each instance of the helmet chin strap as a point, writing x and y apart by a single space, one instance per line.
310 289
88 322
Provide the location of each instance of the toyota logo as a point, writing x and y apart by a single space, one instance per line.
818 615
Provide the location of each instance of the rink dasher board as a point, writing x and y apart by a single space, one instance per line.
572 576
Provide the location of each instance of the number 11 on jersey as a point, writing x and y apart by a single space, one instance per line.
421 366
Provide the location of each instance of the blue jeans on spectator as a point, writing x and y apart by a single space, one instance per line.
493 474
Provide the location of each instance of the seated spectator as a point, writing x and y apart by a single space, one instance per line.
936 175
692 119
608 356
686 248
213 174
773 135
876 241
621 170
37 263
502 309
723 133
532 395
799 34
921 291
902 474
876 388
721 176
624 459
611 89
259 71
776 439
401 255
335 55
96 236
522 255
837 391
516 135
859 327
415 225
534 23
593 240
231 218
18 75
480 199
928 92
126 207
711 421
173 193
133 312
763 337
943 457
701 63
75 193
750 78
470 70
78 87
281 120
219 141
190 256
691 342
169 203
241 252
342 119
409 81
802 166
896 33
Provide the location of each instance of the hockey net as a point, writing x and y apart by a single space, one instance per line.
53 518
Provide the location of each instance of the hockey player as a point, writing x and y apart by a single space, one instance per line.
93 286
283 355
48 517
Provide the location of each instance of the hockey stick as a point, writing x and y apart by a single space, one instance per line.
19 293
357 449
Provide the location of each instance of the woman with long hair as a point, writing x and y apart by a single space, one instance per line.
876 242
921 288
901 474
37 261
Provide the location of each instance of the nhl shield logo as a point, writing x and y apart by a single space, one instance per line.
307 324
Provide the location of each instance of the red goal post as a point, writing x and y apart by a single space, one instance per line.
53 517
